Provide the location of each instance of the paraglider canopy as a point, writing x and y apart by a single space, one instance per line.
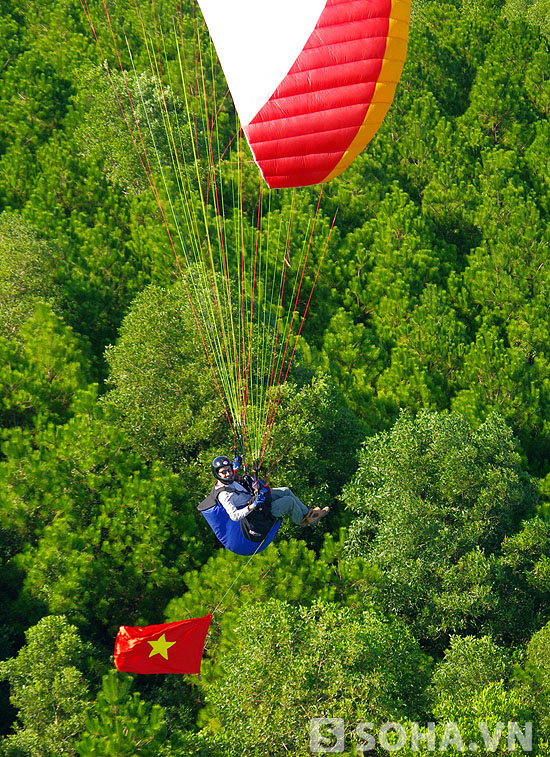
311 79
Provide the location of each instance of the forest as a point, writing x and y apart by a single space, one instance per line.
417 407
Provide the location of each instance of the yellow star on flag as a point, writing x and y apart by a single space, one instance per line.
161 646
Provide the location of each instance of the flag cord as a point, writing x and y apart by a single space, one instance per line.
239 574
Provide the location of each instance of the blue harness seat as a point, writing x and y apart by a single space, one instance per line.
230 532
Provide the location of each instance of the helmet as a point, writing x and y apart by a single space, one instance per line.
222 462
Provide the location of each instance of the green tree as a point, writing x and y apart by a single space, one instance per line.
508 381
408 136
469 665
536 679
447 45
486 716
100 535
162 383
49 690
494 719
522 571
536 81
26 272
123 126
403 255
500 109
288 664
449 198
504 290
505 269
427 356
536 156
33 118
433 498
88 220
473 699
313 448
42 372
533 12
288 571
350 356
122 724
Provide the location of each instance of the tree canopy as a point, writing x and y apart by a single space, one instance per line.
417 404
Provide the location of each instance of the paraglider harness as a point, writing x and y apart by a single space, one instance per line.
258 523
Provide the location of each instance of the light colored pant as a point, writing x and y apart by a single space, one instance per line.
285 502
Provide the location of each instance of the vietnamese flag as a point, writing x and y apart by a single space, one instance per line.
163 648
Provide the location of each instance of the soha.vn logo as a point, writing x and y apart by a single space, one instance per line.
329 735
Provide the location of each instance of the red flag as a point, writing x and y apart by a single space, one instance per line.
164 648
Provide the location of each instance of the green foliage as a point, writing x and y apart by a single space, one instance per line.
41 372
533 12
35 116
494 706
470 665
127 139
448 43
499 102
399 255
433 294
123 723
428 353
433 500
98 271
48 688
494 719
522 571
313 448
537 669
288 571
120 724
102 536
353 361
507 367
163 386
474 701
506 380
323 659
26 272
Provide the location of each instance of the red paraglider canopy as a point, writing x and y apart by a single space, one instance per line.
311 80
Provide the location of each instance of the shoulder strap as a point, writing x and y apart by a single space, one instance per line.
212 498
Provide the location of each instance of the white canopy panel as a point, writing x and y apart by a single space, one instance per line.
257 42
